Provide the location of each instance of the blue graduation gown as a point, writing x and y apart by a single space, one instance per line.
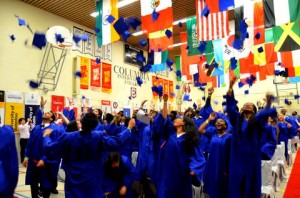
122 176
83 160
35 152
9 169
175 165
216 181
245 156
285 134
268 142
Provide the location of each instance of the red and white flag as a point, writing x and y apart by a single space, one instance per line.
213 27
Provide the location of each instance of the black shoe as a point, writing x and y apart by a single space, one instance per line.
54 191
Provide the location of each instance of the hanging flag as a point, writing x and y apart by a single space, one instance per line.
159 61
164 11
219 5
193 42
230 51
107 34
203 77
252 13
159 41
278 12
178 67
214 26
291 61
287 37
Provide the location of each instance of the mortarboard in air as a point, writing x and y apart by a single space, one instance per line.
159 49
246 92
154 89
169 33
84 37
121 26
134 22
237 44
205 11
33 84
39 40
155 15
296 96
177 87
59 38
139 81
160 90
143 42
257 35
194 106
287 102
233 63
125 35
241 84
202 46
98 60
171 68
145 68
21 22
129 97
12 37
203 98
186 97
82 97
243 26
96 29
110 19
78 74
76 39
260 49
201 88
178 73
169 62
180 24
140 58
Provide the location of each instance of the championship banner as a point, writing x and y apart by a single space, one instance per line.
13 108
166 86
154 83
106 77
57 103
2 94
84 69
105 106
171 89
95 75
32 104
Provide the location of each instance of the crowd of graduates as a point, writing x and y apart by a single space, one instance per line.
116 156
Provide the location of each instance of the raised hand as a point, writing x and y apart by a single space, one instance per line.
212 116
43 102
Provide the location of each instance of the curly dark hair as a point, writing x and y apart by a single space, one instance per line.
89 122
191 138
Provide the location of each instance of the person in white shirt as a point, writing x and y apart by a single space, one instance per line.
24 130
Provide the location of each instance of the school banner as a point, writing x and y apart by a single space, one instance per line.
13 108
105 106
32 104
95 75
84 69
106 77
2 94
166 86
171 89
57 103
154 83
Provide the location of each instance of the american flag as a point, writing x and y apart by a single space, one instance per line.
214 26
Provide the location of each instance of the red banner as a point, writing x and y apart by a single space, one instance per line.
95 75
84 69
166 86
106 77
171 89
58 103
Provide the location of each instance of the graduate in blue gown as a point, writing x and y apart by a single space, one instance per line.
118 176
9 168
216 175
268 140
245 156
41 171
180 159
82 154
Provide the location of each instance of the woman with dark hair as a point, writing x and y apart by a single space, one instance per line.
180 160
82 153
216 180
245 156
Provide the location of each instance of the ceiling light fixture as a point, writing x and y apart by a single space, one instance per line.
139 33
94 14
176 45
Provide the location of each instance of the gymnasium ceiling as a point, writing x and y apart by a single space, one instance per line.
79 12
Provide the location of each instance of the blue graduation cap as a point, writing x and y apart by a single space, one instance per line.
243 26
121 26
12 37
155 15
169 62
39 40
134 22
186 97
160 90
233 63
246 92
159 49
96 29
146 68
59 38
177 87
76 39
257 35
98 60
78 74
140 58
178 73
84 37
169 33
33 84
260 49
110 19
139 81
82 97
129 97
205 11
237 44
21 22
143 42
125 35
180 24
241 84
194 106
296 97
202 46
